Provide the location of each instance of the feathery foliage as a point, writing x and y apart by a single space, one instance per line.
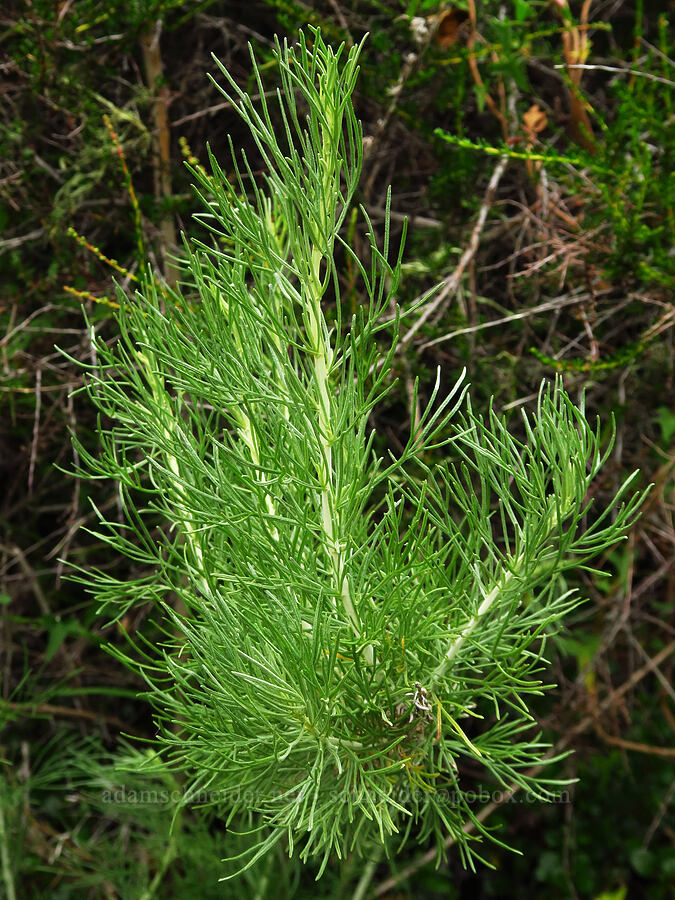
339 633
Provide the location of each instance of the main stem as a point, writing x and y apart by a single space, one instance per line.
322 355
319 343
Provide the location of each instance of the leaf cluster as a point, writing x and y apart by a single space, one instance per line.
343 636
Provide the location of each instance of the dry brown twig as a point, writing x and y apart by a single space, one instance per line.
569 300
150 45
70 712
36 429
451 285
576 47
498 112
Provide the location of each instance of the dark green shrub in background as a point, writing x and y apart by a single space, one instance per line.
572 261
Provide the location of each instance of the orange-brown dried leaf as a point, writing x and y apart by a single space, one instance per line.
449 27
535 120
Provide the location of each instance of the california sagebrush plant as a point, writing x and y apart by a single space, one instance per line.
340 633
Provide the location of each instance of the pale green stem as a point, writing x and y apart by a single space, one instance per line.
167 858
367 875
261 887
485 606
322 355
250 438
7 876
168 427
470 626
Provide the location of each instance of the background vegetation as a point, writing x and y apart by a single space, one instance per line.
530 145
